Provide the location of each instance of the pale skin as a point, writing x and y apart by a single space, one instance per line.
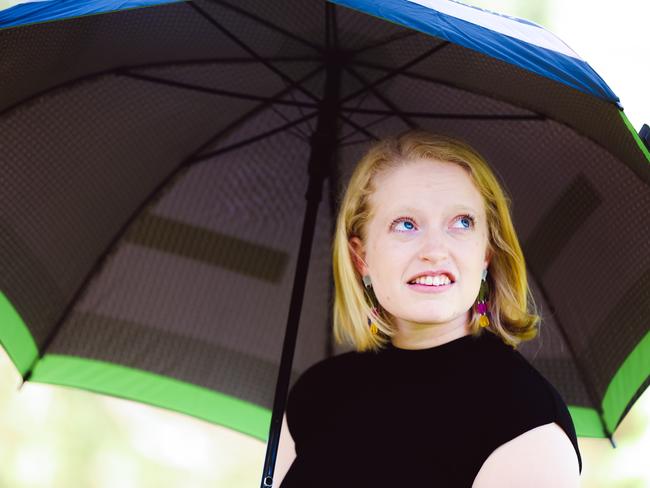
421 223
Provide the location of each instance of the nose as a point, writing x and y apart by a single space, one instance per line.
433 246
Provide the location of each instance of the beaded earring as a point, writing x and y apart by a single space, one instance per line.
481 305
375 304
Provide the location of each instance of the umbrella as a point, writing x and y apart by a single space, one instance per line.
162 236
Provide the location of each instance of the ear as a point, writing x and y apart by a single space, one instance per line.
488 258
358 255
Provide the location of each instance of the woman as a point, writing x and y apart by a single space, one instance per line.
431 290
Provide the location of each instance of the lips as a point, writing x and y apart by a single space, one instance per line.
433 289
451 277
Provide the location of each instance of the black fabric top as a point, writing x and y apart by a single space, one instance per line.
425 417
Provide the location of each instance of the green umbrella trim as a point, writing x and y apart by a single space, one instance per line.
122 381
15 337
629 378
626 382
586 422
635 135
161 391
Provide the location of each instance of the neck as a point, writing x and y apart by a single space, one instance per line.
414 335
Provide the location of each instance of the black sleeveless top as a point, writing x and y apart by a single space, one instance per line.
425 417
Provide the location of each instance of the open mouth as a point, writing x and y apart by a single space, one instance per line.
432 285
426 288
435 282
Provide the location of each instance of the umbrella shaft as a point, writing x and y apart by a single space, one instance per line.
323 148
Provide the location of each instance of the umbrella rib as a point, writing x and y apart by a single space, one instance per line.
302 113
299 133
234 60
260 107
213 91
409 74
279 72
97 74
250 140
359 128
450 116
376 121
398 70
350 143
248 49
184 165
385 100
395 37
360 100
268 24
591 392
416 76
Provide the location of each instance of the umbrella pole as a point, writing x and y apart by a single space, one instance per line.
323 146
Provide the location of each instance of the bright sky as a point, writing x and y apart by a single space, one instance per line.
610 36
613 38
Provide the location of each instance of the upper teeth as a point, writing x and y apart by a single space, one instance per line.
433 280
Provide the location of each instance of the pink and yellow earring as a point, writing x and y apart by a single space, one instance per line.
375 304
481 305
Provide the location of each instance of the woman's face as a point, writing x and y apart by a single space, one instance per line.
421 224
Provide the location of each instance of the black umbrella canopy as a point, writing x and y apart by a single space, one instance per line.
156 240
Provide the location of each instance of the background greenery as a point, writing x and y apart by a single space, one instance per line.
56 437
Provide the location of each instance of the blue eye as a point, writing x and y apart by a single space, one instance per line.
469 219
408 223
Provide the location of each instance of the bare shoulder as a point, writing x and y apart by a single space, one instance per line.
539 458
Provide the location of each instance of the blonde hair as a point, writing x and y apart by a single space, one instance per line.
509 293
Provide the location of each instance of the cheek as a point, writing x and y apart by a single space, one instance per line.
384 255
473 249
387 268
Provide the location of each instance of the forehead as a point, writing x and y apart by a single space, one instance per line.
426 184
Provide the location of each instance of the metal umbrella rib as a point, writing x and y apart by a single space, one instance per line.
183 166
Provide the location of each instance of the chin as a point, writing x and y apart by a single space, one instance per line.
428 318
424 316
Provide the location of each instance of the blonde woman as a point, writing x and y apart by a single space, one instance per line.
431 290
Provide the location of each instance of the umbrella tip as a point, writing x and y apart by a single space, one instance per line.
611 440
24 378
